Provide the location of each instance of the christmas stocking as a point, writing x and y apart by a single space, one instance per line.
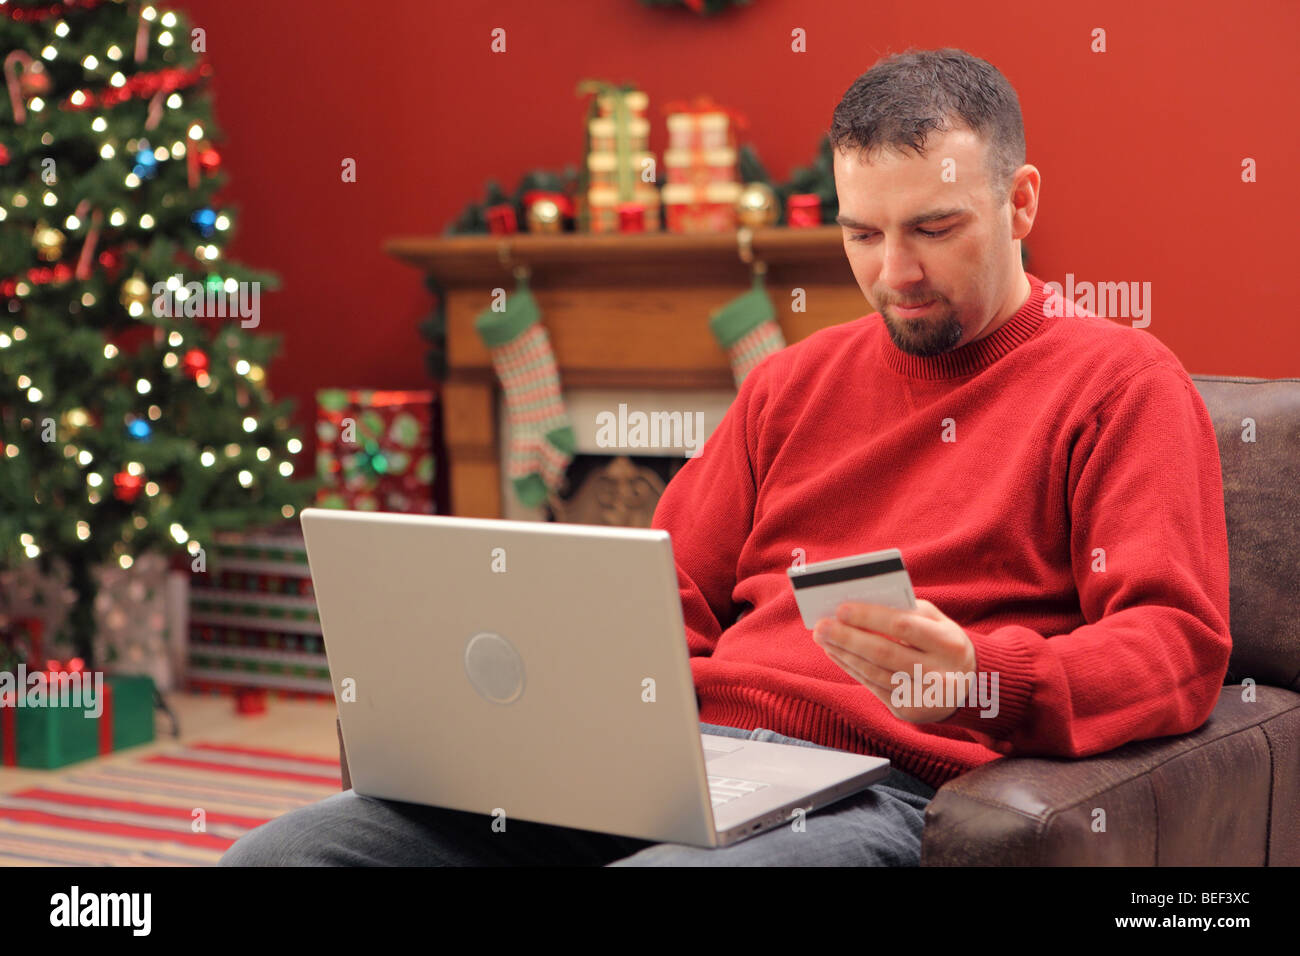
541 441
746 329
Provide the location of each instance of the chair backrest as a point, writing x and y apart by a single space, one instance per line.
1257 424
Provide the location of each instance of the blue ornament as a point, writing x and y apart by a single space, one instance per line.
206 221
146 164
139 430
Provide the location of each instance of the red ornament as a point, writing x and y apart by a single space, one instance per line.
34 81
4 155
195 361
209 160
126 487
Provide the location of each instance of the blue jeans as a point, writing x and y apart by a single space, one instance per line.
880 826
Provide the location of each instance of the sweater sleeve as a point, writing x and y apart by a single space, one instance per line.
1149 551
708 509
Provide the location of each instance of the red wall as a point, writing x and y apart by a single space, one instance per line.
1140 148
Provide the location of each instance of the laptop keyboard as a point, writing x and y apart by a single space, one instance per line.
725 789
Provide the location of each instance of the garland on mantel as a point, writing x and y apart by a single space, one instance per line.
703 7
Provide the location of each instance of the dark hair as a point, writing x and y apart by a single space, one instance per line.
903 98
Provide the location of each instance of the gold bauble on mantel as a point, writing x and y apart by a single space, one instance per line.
757 206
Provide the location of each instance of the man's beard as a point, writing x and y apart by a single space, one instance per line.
931 334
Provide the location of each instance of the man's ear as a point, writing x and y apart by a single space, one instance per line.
1025 185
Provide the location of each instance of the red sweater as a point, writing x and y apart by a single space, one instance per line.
1078 441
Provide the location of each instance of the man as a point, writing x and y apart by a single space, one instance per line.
1052 482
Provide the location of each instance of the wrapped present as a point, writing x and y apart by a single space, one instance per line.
604 133
701 142
63 714
139 612
701 125
375 450
139 623
803 210
21 641
502 220
618 136
700 168
695 209
603 207
254 622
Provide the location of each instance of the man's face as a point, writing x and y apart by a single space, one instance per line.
919 231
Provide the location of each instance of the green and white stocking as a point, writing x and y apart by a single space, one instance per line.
542 442
747 331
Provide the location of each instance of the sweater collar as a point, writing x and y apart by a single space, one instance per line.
974 356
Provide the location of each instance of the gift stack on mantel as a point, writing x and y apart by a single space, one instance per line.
621 191
254 627
702 186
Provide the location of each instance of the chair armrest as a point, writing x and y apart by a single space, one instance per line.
1226 794
343 755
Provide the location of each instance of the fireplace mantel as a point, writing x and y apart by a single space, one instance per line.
622 311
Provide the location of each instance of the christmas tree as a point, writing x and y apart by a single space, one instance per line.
134 409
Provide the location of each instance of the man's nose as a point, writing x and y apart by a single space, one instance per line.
899 269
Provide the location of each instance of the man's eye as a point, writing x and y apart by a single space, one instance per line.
936 233
859 236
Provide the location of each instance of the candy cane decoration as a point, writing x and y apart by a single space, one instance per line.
11 78
155 110
141 38
92 238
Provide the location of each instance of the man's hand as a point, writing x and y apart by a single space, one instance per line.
873 643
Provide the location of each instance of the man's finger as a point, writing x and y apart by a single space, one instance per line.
906 627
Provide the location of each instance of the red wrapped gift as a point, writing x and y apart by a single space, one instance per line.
502 220
631 217
803 210
250 700
375 450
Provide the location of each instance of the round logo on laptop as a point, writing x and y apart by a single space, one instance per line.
494 667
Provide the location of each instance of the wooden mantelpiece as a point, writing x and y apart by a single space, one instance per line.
622 311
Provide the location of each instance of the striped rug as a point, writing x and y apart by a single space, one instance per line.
141 812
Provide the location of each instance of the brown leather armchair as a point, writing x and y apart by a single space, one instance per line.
1226 794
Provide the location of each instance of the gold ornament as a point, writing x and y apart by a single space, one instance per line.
544 216
48 242
757 206
135 291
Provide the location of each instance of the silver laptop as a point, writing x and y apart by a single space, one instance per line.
540 671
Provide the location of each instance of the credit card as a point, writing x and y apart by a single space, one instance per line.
875 578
